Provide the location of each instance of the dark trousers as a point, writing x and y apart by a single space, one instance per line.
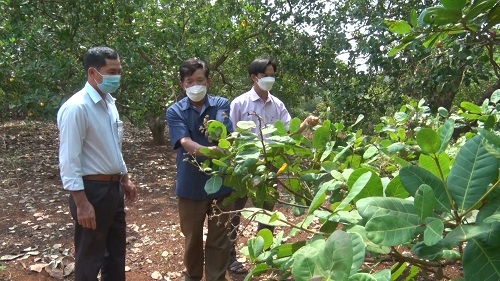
103 248
215 256
240 204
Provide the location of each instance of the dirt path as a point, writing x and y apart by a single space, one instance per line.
37 229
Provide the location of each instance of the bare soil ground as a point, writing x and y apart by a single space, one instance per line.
36 228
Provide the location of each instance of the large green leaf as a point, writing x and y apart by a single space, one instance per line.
319 198
429 163
360 184
413 176
491 142
481 261
213 185
474 169
471 107
439 16
454 4
358 250
395 189
373 186
335 261
446 134
389 230
428 140
478 7
362 277
304 263
425 201
433 233
372 207
464 233
398 26
321 137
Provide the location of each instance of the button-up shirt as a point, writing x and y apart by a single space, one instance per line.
246 106
90 137
185 120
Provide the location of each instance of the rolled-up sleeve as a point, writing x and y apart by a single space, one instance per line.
176 126
224 114
235 113
72 125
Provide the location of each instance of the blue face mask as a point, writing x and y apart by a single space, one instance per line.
110 83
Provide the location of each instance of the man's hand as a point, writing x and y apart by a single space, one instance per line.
84 210
129 189
312 120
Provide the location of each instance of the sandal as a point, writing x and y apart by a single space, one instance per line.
237 268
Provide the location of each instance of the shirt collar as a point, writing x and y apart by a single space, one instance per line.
95 96
255 97
185 104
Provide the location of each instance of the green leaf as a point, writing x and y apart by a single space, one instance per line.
355 189
224 144
413 176
433 232
428 140
414 18
213 185
389 230
494 16
294 125
443 111
258 246
495 97
267 236
335 259
304 262
481 261
373 187
454 4
478 7
491 142
439 15
319 198
473 171
218 128
427 162
395 189
446 134
398 26
219 163
464 233
321 137
397 49
359 252
425 201
362 277
372 207
372 150
246 125
280 128
470 107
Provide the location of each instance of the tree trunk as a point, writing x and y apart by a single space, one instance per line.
157 127
487 94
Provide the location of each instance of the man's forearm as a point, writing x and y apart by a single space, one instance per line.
79 197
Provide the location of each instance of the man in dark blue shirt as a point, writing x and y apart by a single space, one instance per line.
185 118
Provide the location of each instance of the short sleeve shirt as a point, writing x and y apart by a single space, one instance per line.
246 106
184 120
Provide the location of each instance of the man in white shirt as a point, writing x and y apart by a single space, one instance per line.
93 170
250 106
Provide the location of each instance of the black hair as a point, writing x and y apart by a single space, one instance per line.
260 64
188 67
96 57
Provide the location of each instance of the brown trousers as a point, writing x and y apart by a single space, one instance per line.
215 254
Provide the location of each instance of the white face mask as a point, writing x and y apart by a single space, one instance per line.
196 93
266 83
